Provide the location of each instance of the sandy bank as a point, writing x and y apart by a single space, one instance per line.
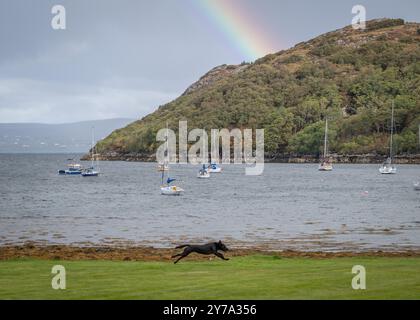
139 253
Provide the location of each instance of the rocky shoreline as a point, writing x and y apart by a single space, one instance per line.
275 158
143 253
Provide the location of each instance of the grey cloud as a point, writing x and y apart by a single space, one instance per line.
26 100
124 58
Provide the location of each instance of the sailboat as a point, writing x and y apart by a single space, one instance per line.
203 173
213 167
168 189
326 164
417 184
387 167
91 171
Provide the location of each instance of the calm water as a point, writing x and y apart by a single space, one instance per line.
289 206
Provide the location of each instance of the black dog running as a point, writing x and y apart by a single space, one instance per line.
209 248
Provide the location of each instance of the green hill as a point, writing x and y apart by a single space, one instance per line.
350 76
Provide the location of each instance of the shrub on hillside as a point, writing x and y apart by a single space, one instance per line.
384 23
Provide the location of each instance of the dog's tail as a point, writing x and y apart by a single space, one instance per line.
183 246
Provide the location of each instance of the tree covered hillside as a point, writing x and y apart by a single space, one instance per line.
350 76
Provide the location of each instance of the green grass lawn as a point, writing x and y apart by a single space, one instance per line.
251 277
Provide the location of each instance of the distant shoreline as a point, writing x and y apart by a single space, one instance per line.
339 159
278 158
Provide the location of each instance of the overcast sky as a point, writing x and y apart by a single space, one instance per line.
124 58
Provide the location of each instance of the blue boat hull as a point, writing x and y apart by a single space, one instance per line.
69 173
90 174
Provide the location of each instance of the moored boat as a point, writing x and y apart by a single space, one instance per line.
168 189
91 171
72 169
326 163
388 167
203 173
214 168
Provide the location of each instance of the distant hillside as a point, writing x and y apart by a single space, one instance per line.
54 138
350 76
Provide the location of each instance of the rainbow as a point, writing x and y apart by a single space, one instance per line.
238 26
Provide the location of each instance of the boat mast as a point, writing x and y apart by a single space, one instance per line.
326 138
92 159
392 131
167 148
419 135
165 162
204 147
167 143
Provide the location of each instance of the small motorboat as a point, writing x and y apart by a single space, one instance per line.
214 168
203 173
417 186
72 169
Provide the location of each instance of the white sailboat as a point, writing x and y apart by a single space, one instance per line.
213 166
92 171
417 184
168 189
204 173
388 167
326 164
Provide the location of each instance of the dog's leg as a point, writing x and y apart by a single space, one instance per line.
186 252
182 256
220 256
